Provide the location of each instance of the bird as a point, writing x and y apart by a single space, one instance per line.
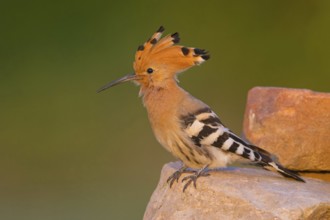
184 125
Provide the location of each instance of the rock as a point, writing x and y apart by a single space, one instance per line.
239 193
293 124
319 175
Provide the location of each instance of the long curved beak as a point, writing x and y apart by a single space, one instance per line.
126 78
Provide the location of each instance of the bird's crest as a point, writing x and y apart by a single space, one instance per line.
164 54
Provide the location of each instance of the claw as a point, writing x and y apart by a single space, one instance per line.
176 175
193 178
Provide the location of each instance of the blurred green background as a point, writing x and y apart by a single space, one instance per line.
69 153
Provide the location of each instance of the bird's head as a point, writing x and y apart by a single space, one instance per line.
159 60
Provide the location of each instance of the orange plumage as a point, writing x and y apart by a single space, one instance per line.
164 59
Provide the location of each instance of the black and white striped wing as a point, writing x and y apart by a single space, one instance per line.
205 129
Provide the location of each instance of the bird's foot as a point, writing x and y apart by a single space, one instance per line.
176 175
193 178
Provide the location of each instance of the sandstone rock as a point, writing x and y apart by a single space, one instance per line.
293 124
239 193
319 175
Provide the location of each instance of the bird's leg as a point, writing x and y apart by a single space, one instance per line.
176 175
192 178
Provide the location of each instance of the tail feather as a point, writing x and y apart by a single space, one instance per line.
266 160
260 150
286 172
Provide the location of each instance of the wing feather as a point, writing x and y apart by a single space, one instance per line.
205 130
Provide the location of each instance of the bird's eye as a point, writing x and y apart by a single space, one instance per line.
150 70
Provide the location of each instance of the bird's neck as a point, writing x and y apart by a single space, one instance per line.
163 100
165 106
162 104
166 94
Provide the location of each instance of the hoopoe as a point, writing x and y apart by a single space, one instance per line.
184 125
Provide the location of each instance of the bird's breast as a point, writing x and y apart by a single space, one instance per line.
162 108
